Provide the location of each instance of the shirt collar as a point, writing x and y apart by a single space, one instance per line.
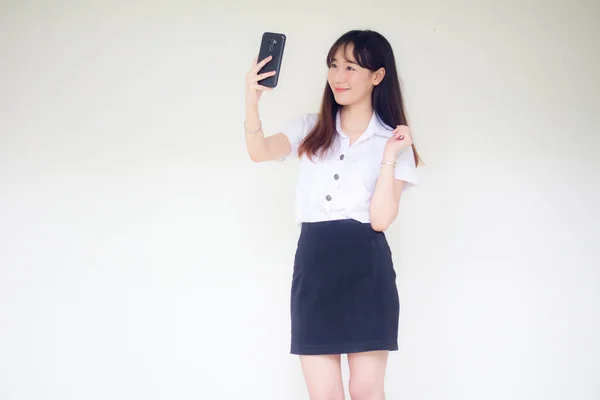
375 127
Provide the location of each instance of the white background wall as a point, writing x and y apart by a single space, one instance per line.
142 255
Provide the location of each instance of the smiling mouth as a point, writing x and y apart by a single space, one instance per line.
339 90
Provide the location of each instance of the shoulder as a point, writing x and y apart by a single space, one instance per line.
384 130
310 116
309 120
302 124
297 129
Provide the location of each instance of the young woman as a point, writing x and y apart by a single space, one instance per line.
353 169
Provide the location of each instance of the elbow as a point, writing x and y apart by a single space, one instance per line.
255 158
381 222
379 225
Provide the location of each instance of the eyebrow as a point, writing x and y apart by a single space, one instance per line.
348 61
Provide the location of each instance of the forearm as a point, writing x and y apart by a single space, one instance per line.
385 199
256 144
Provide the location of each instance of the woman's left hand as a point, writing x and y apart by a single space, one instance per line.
400 140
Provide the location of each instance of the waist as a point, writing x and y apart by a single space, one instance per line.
346 230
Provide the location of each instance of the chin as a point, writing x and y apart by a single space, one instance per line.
342 101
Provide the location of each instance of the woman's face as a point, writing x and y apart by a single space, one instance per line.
349 82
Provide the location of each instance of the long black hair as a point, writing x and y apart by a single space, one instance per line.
372 51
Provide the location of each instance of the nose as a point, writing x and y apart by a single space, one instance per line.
340 76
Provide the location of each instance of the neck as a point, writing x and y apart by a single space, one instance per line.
356 117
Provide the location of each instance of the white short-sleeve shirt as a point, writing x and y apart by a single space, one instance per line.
340 185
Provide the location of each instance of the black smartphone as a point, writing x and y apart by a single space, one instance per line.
272 44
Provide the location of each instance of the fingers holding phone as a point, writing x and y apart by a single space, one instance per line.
253 78
265 69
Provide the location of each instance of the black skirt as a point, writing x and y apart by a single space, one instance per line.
344 297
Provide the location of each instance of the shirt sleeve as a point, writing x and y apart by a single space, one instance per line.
406 169
296 130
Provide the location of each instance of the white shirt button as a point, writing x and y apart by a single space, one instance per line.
319 180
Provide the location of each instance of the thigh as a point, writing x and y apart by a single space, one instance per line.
367 374
323 376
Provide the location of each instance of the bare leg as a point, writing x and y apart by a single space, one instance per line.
323 377
367 375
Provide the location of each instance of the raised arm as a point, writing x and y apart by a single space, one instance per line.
397 171
259 147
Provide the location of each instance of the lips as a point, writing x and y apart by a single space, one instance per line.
340 90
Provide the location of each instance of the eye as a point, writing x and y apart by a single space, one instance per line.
332 65
349 68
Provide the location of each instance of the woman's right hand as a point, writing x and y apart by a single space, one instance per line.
253 89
